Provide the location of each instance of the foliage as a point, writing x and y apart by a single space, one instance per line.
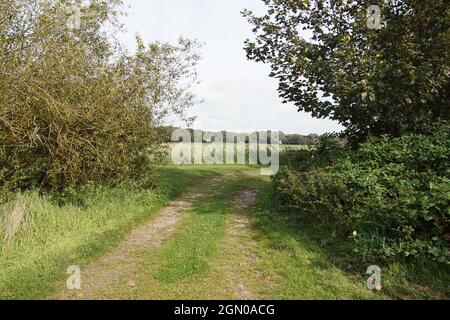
328 150
297 139
393 80
300 160
394 193
74 106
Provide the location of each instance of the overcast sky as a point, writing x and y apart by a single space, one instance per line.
239 96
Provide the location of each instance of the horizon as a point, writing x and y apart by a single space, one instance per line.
239 95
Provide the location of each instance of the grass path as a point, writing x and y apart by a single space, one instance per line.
216 242
116 270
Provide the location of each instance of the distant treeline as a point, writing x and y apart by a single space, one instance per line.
289 139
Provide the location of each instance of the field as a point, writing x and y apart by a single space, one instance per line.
210 148
283 147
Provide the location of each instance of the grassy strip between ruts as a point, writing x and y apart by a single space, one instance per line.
176 270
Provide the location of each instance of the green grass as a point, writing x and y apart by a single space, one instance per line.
287 231
53 236
185 267
301 265
200 260
179 268
194 263
190 250
294 261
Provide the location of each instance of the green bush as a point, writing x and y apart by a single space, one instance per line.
296 159
329 150
392 196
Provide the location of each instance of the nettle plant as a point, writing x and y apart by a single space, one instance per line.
377 67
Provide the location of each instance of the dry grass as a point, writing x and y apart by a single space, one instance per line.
12 216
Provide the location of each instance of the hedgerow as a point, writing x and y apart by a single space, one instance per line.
392 195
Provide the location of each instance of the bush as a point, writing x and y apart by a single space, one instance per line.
296 159
394 193
74 107
329 150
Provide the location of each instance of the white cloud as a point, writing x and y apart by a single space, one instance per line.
238 93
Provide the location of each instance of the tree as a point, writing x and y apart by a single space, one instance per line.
74 106
391 79
295 139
